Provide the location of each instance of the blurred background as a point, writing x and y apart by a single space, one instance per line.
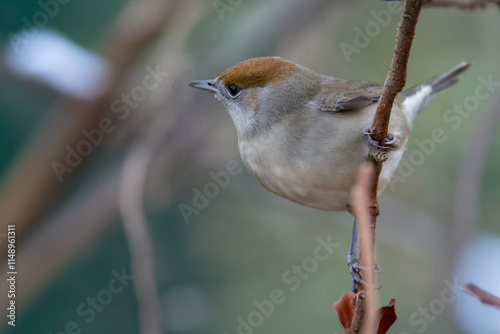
105 151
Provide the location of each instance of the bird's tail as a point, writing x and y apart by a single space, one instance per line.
417 97
447 79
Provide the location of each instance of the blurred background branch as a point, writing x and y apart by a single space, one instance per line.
470 178
21 200
484 296
463 4
136 228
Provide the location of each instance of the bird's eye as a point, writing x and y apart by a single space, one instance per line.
233 90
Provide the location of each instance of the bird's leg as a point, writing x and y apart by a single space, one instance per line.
391 142
353 261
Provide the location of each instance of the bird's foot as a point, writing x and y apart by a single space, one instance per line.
354 268
391 142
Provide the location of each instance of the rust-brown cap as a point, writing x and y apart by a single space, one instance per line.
258 72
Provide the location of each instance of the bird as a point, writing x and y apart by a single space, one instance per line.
303 135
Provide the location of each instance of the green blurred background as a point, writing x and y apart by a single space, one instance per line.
236 250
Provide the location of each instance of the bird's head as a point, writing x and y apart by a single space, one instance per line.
258 92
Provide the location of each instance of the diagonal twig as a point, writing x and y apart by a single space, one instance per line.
484 296
462 4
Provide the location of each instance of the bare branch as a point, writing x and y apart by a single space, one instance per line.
462 4
140 244
484 296
361 206
396 78
394 83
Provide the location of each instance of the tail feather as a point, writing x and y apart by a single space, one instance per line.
417 97
447 79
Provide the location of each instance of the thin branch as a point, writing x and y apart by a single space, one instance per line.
361 206
140 244
462 4
394 83
396 78
484 296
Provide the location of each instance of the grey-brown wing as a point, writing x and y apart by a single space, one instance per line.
343 95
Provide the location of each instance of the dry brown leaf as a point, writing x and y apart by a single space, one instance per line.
387 317
344 309
345 312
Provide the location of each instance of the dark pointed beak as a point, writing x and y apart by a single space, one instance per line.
204 84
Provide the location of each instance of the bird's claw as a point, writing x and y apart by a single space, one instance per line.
391 142
354 268
359 266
